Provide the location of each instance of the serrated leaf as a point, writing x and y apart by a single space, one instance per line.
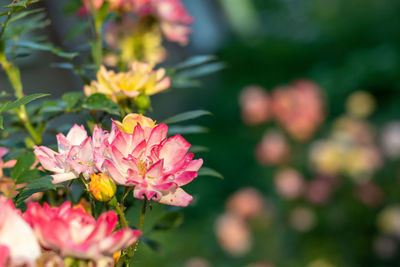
195 61
101 102
46 47
186 129
43 182
22 167
169 221
205 171
189 115
21 101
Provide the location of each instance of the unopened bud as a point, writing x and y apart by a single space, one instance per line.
102 187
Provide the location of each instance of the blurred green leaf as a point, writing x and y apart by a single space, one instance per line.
22 167
46 47
24 14
189 115
21 101
205 171
186 129
197 149
72 98
169 221
101 102
49 106
154 245
21 3
76 30
195 61
201 70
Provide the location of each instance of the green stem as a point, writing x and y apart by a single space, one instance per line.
97 44
133 248
122 219
14 77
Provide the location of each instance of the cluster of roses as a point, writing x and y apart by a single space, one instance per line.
135 153
170 14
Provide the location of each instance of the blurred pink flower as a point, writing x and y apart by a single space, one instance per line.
289 183
8 164
77 154
114 5
369 193
385 247
172 16
273 149
390 139
299 108
18 244
233 234
320 189
75 233
245 203
155 165
197 262
255 105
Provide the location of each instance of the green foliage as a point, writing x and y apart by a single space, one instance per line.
205 171
102 103
189 115
22 172
169 221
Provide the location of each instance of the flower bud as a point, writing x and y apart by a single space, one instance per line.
102 187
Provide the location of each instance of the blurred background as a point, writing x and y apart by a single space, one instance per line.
305 130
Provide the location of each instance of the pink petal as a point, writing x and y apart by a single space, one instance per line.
77 135
62 177
155 170
194 165
186 177
114 173
177 198
174 149
158 134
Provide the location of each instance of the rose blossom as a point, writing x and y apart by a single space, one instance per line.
255 105
299 108
75 233
18 244
77 154
143 157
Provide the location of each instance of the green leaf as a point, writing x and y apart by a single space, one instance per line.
205 171
195 61
1 123
71 98
101 102
21 169
49 106
197 149
202 70
189 115
76 30
21 101
187 129
154 245
23 14
43 182
169 221
46 47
